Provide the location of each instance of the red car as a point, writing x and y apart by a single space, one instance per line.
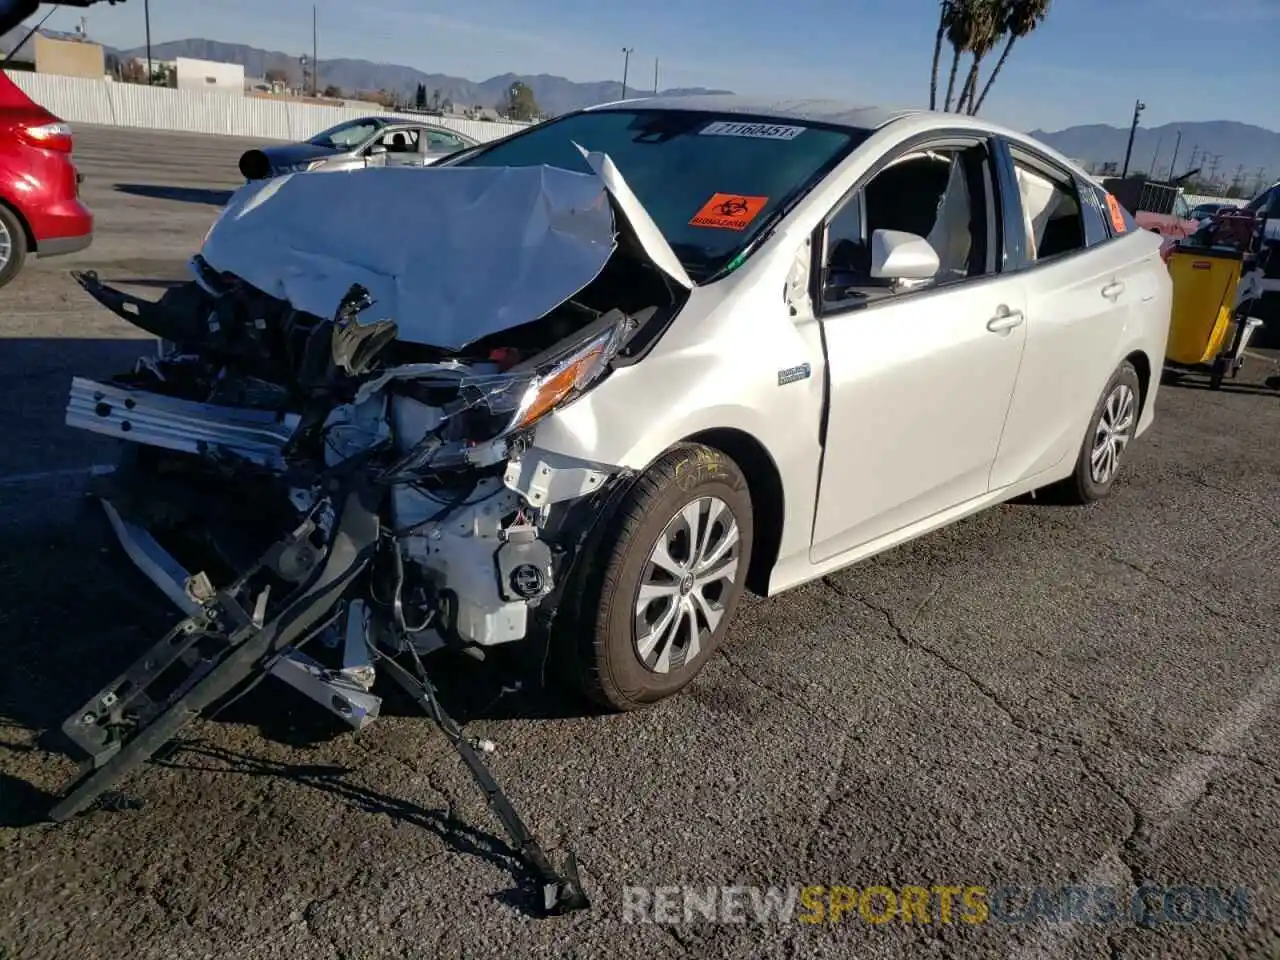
40 208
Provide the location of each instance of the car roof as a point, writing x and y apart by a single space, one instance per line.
839 113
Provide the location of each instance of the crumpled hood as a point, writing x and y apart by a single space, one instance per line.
451 254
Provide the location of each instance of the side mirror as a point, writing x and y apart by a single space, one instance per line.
896 255
377 149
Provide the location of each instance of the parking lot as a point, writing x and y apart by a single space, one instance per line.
1037 697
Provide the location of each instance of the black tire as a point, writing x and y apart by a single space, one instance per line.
599 639
1082 487
1217 373
17 245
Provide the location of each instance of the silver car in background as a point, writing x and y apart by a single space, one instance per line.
356 144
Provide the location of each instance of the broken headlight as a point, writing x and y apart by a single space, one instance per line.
478 411
520 397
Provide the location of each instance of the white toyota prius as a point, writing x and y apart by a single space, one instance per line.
586 384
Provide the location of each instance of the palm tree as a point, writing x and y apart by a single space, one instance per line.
944 15
960 34
1021 18
986 28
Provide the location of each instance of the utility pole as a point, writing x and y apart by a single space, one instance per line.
1237 179
315 52
146 16
1173 163
1155 156
1213 167
1261 180
626 63
1195 152
1138 107
655 76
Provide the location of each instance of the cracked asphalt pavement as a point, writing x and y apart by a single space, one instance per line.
1037 696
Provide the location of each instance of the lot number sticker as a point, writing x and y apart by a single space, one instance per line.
754 131
728 211
1117 217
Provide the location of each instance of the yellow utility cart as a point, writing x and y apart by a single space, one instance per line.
1210 327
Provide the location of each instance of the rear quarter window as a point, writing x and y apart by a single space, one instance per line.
1117 220
1093 210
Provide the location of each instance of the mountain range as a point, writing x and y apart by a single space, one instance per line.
1251 152
554 95
1241 148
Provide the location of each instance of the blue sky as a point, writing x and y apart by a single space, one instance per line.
1188 59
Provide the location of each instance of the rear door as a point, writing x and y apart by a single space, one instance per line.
1081 284
441 144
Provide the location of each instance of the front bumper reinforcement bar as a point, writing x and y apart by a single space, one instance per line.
258 436
226 643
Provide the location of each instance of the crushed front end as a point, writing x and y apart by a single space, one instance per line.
324 494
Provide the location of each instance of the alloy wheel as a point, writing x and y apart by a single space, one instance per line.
6 245
1112 434
689 576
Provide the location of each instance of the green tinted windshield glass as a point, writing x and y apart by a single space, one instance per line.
710 182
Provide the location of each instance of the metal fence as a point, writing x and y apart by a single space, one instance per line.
81 100
1195 199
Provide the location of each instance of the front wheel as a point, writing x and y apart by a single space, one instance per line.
659 591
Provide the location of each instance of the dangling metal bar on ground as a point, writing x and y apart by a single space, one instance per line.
562 891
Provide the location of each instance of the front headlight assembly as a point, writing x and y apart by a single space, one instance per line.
485 410
543 387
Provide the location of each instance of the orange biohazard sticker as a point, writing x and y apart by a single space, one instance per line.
728 211
1117 216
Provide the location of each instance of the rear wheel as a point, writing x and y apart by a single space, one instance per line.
672 564
13 245
1111 429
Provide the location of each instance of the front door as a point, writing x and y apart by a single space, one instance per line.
405 147
921 375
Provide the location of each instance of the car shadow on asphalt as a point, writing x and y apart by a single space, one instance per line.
1246 389
332 779
22 804
205 195
496 690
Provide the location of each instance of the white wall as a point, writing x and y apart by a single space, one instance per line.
210 76
81 100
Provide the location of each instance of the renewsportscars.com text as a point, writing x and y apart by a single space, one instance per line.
939 904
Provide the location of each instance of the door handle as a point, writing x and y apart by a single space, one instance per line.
1005 320
1112 291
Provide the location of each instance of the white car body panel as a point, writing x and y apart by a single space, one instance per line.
915 419
718 367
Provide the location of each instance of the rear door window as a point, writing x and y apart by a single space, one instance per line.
1096 228
1051 207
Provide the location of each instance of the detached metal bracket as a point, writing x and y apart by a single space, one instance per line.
562 890
223 645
